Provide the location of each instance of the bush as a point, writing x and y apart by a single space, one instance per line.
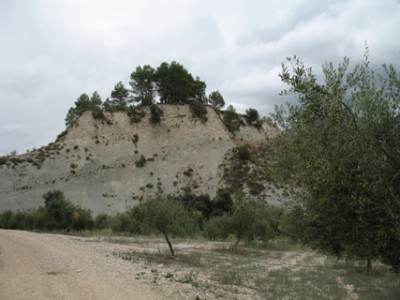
58 214
231 119
258 124
252 115
98 114
216 228
141 162
135 138
243 153
223 203
135 114
155 114
249 220
61 214
102 221
5 218
81 219
199 110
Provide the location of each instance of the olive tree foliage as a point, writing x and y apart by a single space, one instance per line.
168 217
340 145
249 220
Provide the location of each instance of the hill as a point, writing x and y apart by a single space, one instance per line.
112 164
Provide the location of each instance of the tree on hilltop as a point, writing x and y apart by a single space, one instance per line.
231 119
119 99
143 85
252 115
175 84
216 100
82 104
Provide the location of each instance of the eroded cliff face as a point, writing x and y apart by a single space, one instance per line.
109 166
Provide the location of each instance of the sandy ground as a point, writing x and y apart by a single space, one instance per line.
52 266
46 266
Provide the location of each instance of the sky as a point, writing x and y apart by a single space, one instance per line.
52 51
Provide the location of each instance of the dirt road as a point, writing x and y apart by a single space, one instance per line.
46 266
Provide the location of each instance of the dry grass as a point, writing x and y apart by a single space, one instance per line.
214 271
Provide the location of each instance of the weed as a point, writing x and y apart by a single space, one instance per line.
141 162
189 278
231 277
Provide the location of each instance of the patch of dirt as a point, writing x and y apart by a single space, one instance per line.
51 266
47 266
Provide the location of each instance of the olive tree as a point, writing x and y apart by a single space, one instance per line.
248 221
168 217
340 146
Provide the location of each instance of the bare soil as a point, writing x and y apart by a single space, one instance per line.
52 266
48 266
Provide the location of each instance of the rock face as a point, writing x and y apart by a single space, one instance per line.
109 166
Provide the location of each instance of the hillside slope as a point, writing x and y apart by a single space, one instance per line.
109 166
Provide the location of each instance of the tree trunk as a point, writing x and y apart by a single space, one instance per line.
169 245
236 244
369 265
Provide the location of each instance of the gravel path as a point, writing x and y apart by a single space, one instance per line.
47 266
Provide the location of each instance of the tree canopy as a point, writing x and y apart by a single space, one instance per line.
340 145
168 217
168 83
82 104
216 100
143 85
175 84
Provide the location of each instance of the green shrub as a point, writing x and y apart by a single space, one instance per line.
61 214
188 172
258 124
135 138
231 119
243 153
98 114
5 218
249 220
102 221
223 203
199 110
58 214
141 162
155 114
135 114
216 228
255 187
252 115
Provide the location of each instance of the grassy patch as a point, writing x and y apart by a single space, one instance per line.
271 271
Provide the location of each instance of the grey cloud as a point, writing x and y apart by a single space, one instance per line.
52 51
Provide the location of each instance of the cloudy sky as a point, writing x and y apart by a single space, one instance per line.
54 50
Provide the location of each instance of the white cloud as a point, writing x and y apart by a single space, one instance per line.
52 51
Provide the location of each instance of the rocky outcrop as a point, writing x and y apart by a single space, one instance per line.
111 165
